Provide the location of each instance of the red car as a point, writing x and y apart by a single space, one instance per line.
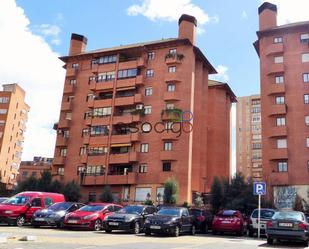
229 221
90 216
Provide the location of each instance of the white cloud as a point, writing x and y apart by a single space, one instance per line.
244 15
291 11
222 74
170 11
26 58
49 31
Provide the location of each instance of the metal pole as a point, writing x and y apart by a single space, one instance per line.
259 217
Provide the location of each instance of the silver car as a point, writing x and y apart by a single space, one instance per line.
288 225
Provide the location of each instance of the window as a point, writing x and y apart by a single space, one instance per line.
306 77
306 98
68 115
48 201
172 69
149 73
36 202
25 174
95 151
304 38
278 40
105 59
102 111
147 109
107 76
92 197
95 170
63 151
168 146
2 122
256 128
4 100
305 57
256 102
256 119
171 87
144 148
73 82
166 166
173 51
151 55
127 73
278 59
3 111
100 130
256 146
170 106
307 142
141 194
280 121
279 79
281 143
143 168
256 110
282 166
33 173
280 100
60 171
75 65
307 120
148 91
82 150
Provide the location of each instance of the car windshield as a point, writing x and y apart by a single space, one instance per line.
60 206
196 212
288 216
227 214
2 199
169 211
265 214
91 208
18 200
131 210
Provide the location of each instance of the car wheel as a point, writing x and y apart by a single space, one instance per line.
306 243
176 231
193 230
97 225
108 230
60 224
147 232
20 221
136 228
270 241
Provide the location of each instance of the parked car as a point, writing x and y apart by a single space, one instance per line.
54 214
130 218
229 221
90 216
2 199
170 220
21 207
202 219
266 215
288 225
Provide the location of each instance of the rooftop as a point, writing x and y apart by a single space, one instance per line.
215 83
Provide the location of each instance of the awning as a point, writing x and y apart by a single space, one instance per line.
126 88
120 145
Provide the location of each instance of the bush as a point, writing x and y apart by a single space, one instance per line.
216 195
71 191
107 195
171 189
148 202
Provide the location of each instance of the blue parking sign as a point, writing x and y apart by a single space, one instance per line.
259 188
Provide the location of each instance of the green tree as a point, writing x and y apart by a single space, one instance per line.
107 195
71 191
56 187
29 184
298 204
171 188
45 181
216 195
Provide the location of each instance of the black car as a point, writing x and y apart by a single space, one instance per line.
288 225
170 220
54 214
202 219
130 218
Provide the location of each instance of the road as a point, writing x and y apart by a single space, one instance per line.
48 238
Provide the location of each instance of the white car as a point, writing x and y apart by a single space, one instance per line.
266 215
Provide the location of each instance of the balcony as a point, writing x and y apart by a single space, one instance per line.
97 68
97 159
100 103
275 48
66 106
68 88
171 96
64 123
126 119
88 120
101 86
276 88
59 160
139 80
72 72
100 120
130 178
277 110
83 158
276 68
125 139
99 140
174 58
172 77
168 155
279 178
93 180
123 158
132 63
86 139
61 141
131 100
170 135
278 154
278 131
171 114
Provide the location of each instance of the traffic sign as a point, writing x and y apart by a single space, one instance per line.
259 188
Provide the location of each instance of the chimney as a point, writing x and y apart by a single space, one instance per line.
267 16
78 44
187 25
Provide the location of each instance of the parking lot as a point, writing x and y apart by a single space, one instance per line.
48 238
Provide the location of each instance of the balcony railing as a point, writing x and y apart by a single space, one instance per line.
69 88
66 106
278 154
274 48
123 157
276 88
279 178
277 110
168 96
174 58
278 131
276 68
64 123
59 160
168 155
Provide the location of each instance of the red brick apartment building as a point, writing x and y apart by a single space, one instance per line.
284 72
34 168
109 92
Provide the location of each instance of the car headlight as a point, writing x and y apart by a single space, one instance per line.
105 218
128 219
8 212
147 221
89 216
